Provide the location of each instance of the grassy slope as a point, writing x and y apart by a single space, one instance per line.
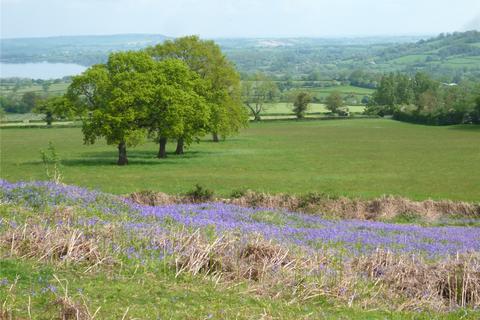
365 158
140 293
133 290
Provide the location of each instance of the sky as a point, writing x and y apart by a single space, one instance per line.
237 18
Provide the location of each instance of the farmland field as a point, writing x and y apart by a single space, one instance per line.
357 158
54 89
286 108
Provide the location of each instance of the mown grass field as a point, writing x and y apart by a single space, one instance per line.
356 158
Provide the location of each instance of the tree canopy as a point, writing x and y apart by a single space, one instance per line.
335 102
112 98
300 104
222 81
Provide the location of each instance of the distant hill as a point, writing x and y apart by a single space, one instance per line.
451 57
451 54
85 50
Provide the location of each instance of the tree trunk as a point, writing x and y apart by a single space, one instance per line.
162 151
215 137
257 117
122 154
179 149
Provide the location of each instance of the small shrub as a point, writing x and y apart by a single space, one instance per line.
200 194
312 198
236 194
52 163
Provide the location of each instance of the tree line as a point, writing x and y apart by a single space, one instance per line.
421 99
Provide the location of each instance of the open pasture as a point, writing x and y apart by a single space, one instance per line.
358 158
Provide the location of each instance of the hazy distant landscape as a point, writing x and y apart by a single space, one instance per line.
239 159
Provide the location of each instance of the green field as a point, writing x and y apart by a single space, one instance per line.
286 108
54 89
365 158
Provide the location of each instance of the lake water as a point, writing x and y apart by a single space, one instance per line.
39 70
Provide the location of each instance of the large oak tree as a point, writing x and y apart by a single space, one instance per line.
112 99
222 81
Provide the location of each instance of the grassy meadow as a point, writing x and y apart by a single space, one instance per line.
357 158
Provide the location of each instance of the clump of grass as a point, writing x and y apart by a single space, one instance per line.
152 198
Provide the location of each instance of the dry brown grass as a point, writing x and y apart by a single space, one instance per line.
383 279
266 268
386 207
447 284
55 244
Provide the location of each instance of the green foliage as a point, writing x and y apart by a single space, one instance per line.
54 108
180 89
200 194
300 104
2 114
221 88
52 163
335 103
423 100
476 111
112 98
19 104
256 92
238 193
177 108
30 100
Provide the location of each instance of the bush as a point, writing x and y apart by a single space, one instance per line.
236 194
200 194
439 118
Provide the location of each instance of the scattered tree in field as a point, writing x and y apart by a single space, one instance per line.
222 82
257 92
54 108
112 99
335 102
300 104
